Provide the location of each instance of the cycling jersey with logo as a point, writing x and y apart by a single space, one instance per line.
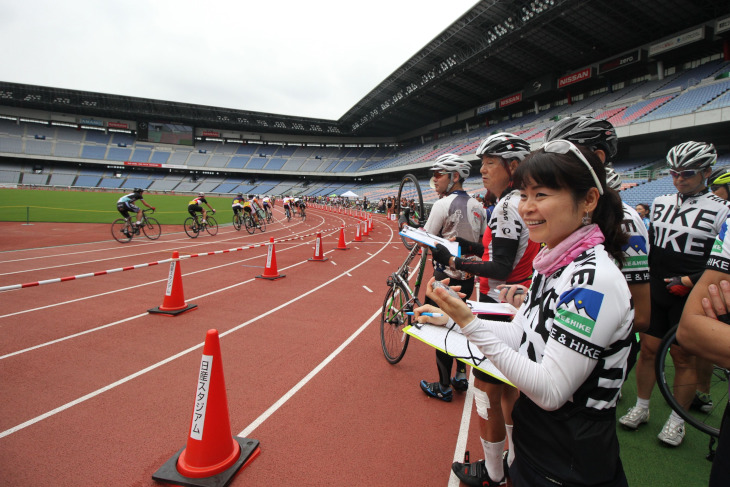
636 250
237 202
129 198
682 231
571 339
456 214
505 238
720 255
198 200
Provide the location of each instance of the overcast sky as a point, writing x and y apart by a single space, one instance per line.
311 58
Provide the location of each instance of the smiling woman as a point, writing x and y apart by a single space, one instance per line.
567 348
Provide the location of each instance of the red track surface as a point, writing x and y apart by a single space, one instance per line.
95 391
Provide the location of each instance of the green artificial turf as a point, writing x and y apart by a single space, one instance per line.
36 205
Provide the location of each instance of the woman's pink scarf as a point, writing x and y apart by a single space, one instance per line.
548 260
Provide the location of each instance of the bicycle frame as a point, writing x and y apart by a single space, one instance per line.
402 274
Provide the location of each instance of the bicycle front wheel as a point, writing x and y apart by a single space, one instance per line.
212 226
191 227
410 204
236 222
708 418
392 321
152 229
121 231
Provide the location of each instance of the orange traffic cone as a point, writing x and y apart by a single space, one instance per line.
318 254
357 238
173 303
341 243
365 232
212 456
270 271
370 223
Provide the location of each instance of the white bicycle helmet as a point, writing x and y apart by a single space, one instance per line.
505 145
692 155
201 194
613 180
587 131
452 163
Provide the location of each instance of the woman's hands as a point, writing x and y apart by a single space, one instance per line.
448 305
512 294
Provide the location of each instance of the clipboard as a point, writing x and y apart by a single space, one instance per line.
424 237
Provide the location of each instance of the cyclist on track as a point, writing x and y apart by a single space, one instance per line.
255 207
287 203
125 204
683 228
266 200
455 214
195 205
237 205
507 255
295 205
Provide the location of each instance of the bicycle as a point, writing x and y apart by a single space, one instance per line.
252 223
238 220
401 298
303 213
193 226
706 421
287 212
410 189
123 230
269 216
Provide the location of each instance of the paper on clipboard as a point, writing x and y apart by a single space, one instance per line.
431 240
455 344
501 309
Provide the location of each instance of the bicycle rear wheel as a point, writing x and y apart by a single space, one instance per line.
236 222
392 321
212 226
191 227
121 231
410 204
706 421
152 229
248 222
304 214
262 224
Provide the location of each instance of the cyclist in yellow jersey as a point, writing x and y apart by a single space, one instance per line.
195 206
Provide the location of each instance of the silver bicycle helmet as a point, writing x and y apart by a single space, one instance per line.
613 180
692 155
586 131
452 163
505 145
201 194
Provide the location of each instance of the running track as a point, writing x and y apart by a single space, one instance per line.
96 391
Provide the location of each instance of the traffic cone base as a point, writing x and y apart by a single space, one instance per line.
173 303
168 472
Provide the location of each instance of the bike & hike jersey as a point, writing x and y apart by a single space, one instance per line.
456 214
682 232
575 323
719 259
636 250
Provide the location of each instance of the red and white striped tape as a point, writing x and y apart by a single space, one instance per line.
149 264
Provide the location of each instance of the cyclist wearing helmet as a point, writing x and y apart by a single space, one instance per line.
456 214
195 205
683 228
125 204
266 200
507 254
237 204
596 135
718 182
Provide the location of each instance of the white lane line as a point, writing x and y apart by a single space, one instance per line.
152 367
290 393
460 446
368 289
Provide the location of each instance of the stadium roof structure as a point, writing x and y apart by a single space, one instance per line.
497 48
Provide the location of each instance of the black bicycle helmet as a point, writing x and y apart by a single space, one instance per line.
586 131
692 155
138 190
505 145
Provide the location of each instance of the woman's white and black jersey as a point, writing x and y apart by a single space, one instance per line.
636 250
682 232
720 254
572 336
456 215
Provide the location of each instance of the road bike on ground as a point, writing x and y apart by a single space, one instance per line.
706 418
287 212
401 297
252 223
303 213
193 226
123 229
269 216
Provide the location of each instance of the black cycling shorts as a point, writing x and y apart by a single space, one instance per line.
193 208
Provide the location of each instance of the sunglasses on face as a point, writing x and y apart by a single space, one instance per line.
565 146
687 173
438 174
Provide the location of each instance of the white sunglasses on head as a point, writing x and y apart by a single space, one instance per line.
562 146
